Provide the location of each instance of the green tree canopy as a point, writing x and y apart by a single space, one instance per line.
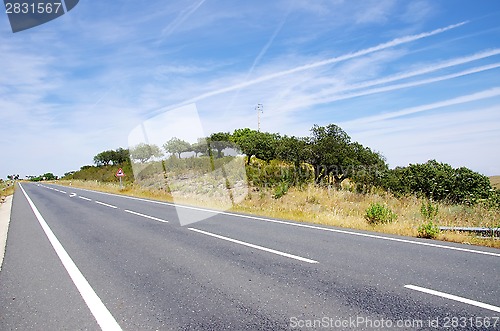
177 146
219 141
144 152
117 156
200 146
439 181
335 158
261 144
292 149
104 158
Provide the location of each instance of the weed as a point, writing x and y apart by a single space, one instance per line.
378 213
428 230
429 211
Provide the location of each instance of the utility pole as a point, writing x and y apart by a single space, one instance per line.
260 109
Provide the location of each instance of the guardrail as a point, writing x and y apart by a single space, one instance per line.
485 232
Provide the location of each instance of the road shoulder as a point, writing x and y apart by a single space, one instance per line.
5 209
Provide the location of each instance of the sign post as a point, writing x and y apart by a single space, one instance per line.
120 174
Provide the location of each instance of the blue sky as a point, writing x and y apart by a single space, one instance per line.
414 80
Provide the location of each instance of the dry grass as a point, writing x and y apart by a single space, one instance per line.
495 181
6 190
341 208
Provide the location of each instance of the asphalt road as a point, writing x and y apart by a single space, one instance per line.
78 259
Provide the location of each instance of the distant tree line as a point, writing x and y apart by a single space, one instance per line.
328 156
45 176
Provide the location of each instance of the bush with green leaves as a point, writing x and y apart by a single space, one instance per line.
428 230
280 190
429 212
378 213
439 182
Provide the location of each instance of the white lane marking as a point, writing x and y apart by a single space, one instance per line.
102 315
303 259
84 198
406 241
454 297
105 204
63 191
72 195
146 216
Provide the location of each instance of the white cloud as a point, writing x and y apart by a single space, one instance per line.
464 138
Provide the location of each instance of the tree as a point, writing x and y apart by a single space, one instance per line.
176 146
219 141
335 158
369 169
121 156
261 144
144 152
329 152
291 149
48 176
200 146
104 158
265 145
244 139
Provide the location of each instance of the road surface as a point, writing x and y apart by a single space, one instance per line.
78 259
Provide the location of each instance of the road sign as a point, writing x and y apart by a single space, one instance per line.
120 173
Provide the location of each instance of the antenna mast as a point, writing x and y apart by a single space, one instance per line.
260 109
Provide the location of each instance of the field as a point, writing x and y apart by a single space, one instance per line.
495 181
341 208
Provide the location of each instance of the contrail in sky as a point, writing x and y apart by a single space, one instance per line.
389 44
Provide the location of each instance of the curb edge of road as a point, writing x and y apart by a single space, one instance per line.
5 210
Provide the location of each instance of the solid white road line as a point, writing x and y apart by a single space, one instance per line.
146 216
84 198
303 259
352 233
454 297
105 204
102 315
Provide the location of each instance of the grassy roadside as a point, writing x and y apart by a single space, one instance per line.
6 190
341 208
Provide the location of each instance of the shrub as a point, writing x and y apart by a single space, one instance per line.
428 230
378 213
439 182
429 210
280 190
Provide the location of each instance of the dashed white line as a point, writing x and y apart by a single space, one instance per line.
303 259
105 204
347 232
102 315
146 216
454 297
84 198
